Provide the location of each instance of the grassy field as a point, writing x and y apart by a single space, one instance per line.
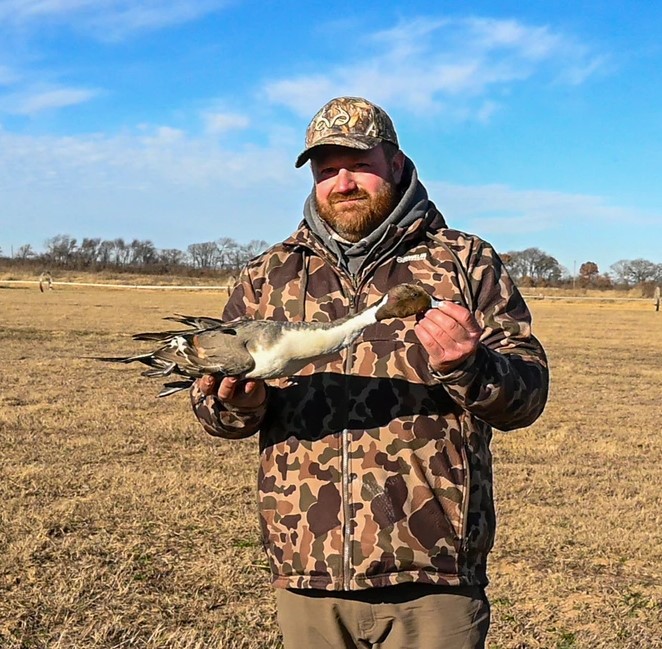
122 524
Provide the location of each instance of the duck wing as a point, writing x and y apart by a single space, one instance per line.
192 354
219 351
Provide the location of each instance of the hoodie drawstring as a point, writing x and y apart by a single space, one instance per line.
304 282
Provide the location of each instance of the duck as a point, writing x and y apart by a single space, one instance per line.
262 349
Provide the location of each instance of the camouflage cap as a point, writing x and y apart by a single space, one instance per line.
348 121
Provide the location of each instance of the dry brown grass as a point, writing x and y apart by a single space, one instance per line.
123 525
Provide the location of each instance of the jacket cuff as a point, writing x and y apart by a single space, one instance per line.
475 383
222 420
466 371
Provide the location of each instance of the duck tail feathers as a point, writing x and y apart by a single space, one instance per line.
160 336
143 358
197 322
174 387
162 369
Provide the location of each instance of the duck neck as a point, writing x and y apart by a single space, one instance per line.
333 336
355 324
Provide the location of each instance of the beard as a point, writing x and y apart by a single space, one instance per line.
356 219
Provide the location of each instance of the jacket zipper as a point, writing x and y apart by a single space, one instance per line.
464 537
345 468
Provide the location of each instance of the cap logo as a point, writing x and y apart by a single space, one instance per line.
340 119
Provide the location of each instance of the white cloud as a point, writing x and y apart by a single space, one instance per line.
154 156
449 66
575 75
216 123
534 43
31 103
108 19
7 76
303 94
501 209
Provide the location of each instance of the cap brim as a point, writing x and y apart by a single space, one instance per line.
361 142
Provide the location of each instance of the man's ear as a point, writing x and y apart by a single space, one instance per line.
397 166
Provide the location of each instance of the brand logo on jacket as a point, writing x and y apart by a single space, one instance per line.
420 257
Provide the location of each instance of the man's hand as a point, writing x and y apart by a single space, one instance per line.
234 392
450 334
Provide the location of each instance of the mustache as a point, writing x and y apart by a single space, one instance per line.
338 197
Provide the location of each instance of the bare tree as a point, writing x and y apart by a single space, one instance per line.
122 252
25 252
88 251
171 257
226 251
533 265
642 270
636 271
203 255
105 252
255 247
143 253
61 249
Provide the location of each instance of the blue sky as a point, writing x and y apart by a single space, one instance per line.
531 123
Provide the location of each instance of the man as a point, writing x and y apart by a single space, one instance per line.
375 485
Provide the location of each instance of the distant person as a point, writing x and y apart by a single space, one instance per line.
375 484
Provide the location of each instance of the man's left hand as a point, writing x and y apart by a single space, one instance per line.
450 334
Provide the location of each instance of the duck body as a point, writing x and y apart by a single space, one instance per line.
283 348
262 349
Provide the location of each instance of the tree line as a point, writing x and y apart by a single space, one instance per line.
65 252
534 267
529 268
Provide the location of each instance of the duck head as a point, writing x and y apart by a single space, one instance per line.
403 300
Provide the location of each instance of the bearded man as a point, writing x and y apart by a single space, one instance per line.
375 483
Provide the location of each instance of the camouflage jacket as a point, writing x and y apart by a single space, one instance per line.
374 469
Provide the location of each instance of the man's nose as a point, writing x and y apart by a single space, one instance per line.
345 181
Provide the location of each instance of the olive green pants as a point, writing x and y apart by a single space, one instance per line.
410 616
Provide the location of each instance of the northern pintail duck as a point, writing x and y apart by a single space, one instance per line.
262 349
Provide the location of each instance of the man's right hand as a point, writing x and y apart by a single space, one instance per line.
233 391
